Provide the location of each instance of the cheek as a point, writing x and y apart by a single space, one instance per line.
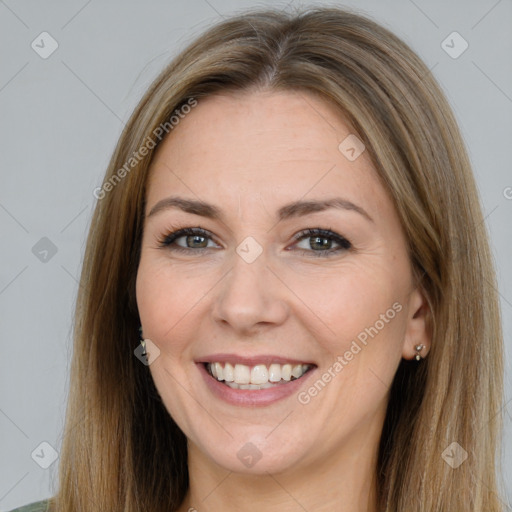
355 302
164 300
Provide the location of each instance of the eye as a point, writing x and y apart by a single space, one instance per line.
321 241
315 242
187 240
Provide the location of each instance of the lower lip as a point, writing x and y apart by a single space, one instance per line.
252 397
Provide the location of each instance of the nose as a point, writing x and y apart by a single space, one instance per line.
250 297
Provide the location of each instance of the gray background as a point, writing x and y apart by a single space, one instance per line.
60 119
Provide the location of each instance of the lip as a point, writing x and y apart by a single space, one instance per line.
252 397
266 359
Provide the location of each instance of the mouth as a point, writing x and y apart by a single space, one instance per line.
258 376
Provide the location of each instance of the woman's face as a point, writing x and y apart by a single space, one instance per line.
252 292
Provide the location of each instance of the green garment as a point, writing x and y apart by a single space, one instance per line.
37 506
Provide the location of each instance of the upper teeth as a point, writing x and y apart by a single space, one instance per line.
259 374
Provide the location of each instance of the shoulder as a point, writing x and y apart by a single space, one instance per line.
37 506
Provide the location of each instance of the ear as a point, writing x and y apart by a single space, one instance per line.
417 330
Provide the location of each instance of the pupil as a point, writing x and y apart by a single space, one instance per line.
318 240
195 238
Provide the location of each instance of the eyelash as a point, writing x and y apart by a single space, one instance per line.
168 240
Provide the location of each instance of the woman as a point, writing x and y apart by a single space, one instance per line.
290 224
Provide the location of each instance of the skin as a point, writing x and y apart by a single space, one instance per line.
249 154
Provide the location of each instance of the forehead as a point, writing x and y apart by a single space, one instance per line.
279 145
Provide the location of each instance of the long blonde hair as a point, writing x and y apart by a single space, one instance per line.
121 450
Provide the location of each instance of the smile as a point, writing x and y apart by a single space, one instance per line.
259 376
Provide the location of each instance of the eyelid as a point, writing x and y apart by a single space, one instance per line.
173 233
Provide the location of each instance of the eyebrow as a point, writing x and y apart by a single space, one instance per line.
295 209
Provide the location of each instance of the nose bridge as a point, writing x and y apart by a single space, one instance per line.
248 296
